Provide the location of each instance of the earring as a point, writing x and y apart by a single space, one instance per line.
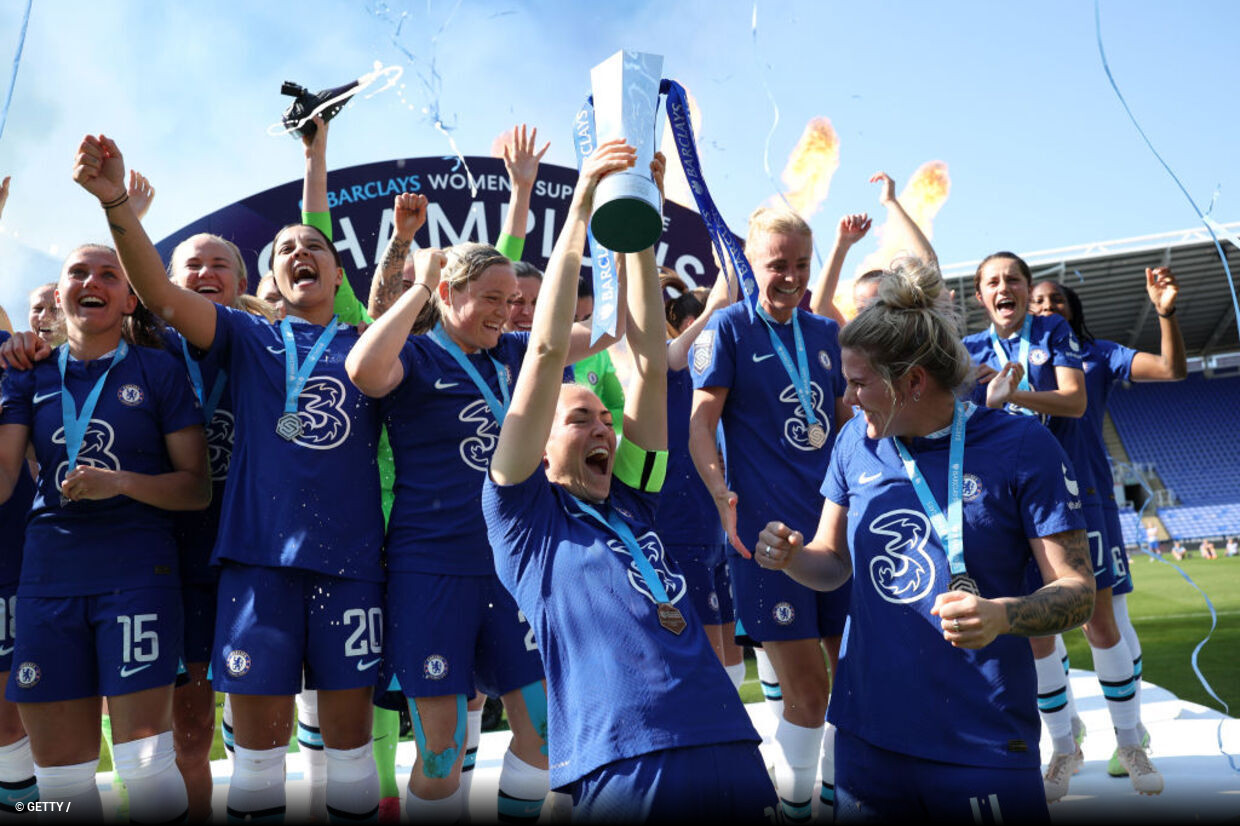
916 397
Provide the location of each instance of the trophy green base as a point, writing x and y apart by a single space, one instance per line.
626 214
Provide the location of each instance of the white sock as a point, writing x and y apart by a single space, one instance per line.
1053 702
473 736
149 768
226 729
795 767
310 743
736 673
771 689
17 776
1119 603
446 810
352 783
257 785
522 790
74 785
826 772
1061 651
1114 668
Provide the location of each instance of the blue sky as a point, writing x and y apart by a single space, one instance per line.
1012 97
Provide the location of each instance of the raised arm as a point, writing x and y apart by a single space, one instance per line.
408 216
141 193
521 160
851 229
900 220
722 293
1171 363
374 362
527 424
100 170
645 407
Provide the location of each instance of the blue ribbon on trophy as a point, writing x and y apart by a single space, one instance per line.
627 207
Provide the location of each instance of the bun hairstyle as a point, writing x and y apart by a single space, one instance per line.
466 263
687 302
911 323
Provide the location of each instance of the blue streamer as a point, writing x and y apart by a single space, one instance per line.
1201 678
17 61
1235 303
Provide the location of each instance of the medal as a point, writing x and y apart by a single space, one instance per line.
64 501
965 583
817 436
288 426
77 423
671 618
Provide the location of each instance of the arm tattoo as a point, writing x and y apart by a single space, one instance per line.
1059 605
117 229
386 287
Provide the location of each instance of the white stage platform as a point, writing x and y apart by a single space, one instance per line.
1201 786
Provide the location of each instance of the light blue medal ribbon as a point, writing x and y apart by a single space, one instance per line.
209 403
289 426
498 409
603 262
76 424
669 615
950 528
1022 356
721 237
799 373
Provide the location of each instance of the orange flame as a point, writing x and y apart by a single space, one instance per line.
922 198
811 165
675 184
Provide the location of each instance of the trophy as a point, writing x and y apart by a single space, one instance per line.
628 213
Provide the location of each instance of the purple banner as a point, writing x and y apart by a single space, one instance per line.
361 206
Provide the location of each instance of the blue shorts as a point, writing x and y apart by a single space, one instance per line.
1099 547
272 622
104 645
451 634
725 783
8 624
710 587
772 607
1119 553
873 785
199 601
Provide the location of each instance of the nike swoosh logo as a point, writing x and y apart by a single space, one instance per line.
30 795
364 666
440 384
866 478
5 650
757 358
44 396
126 671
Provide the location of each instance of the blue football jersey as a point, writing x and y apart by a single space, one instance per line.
196 530
313 502
1051 344
13 515
772 465
687 513
96 546
596 625
1105 363
901 686
443 433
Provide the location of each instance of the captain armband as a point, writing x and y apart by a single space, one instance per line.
639 468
